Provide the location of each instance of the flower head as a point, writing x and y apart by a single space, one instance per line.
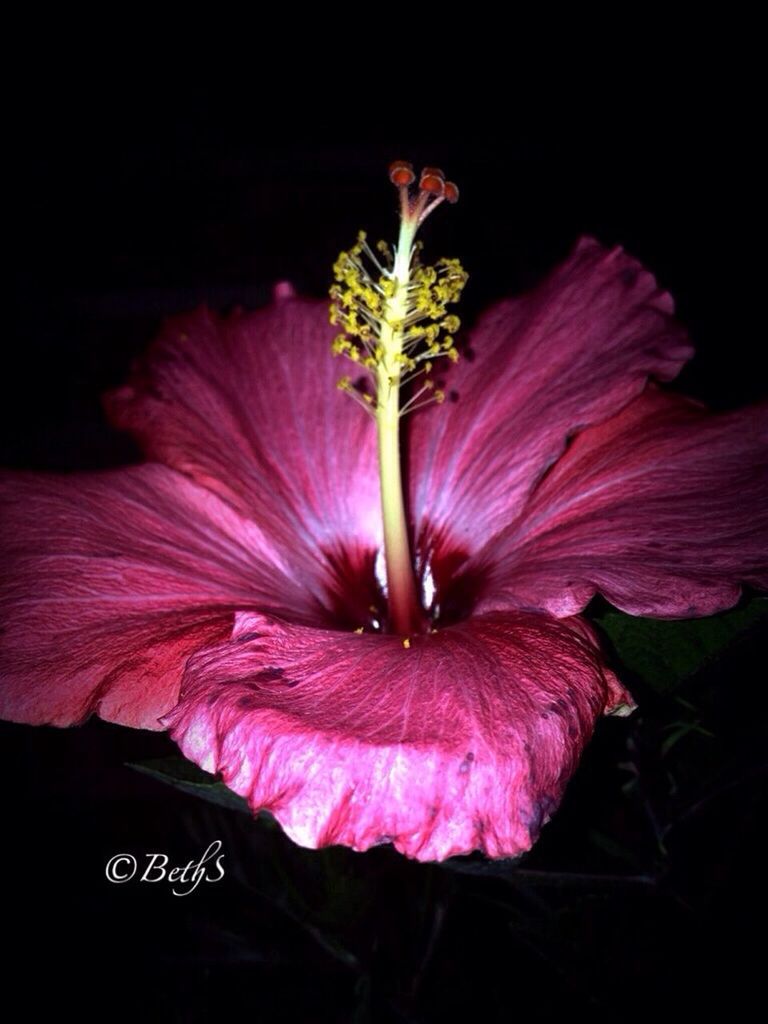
231 589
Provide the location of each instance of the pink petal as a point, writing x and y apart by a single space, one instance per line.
663 509
545 366
111 580
247 406
464 741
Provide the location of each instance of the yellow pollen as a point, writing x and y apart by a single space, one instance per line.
392 314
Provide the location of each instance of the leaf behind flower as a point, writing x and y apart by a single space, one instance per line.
186 776
665 653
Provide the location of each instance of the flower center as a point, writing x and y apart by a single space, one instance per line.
392 311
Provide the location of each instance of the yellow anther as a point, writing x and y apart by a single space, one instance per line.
406 642
393 314
359 630
393 318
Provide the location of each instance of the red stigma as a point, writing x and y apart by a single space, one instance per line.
432 180
401 173
432 190
451 192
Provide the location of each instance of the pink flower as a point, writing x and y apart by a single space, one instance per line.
217 589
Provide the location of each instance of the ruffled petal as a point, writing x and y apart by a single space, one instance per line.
247 407
571 353
111 580
663 509
463 741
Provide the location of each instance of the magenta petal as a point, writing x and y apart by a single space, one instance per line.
571 353
247 407
111 580
663 509
463 741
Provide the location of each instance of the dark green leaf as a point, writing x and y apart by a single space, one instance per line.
186 776
475 864
664 653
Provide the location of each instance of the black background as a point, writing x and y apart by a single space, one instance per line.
128 207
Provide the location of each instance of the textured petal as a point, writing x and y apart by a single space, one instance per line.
663 509
111 580
463 741
247 407
546 365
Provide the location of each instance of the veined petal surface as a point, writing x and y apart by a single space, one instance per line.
247 407
663 509
544 366
110 580
464 740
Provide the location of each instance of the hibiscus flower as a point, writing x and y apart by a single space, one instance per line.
426 681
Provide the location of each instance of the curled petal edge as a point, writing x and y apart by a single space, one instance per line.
463 741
